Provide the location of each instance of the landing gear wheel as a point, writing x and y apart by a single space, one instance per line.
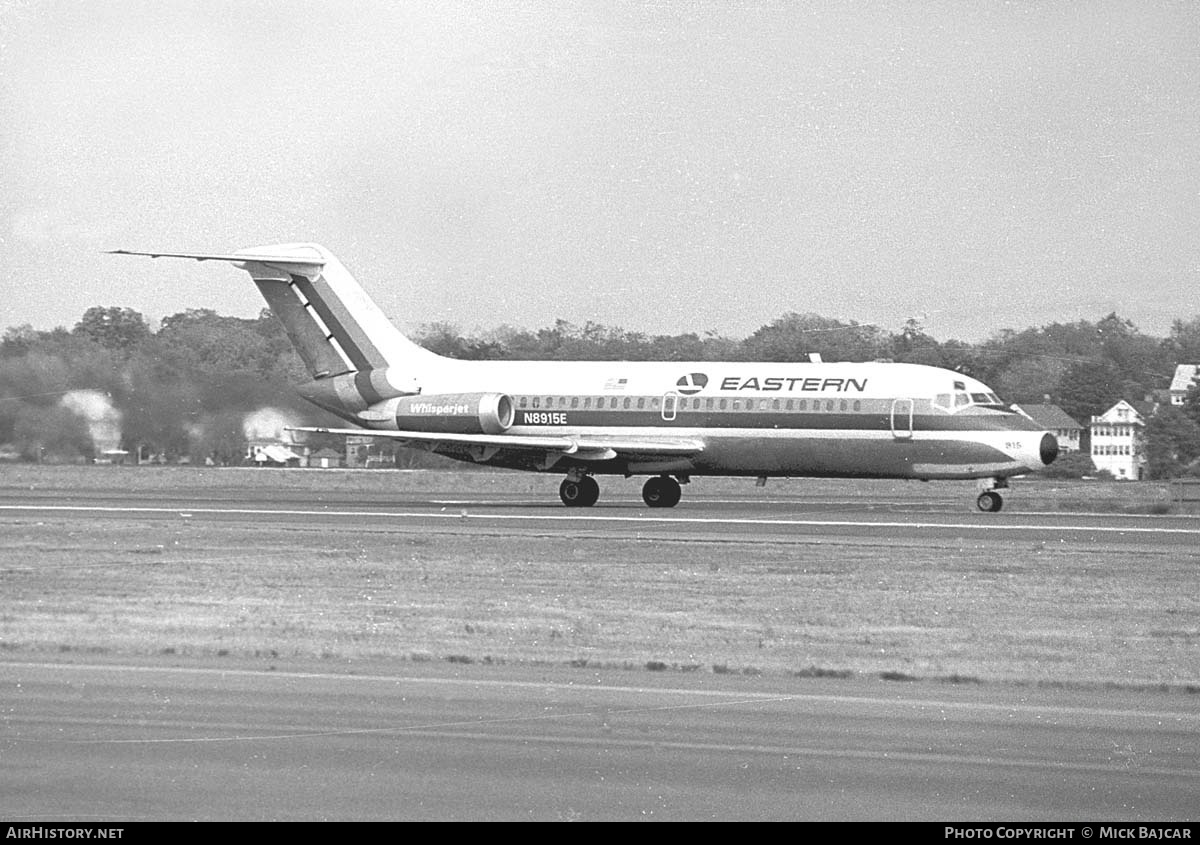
579 494
661 492
989 502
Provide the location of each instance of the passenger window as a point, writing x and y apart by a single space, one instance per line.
537 402
628 402
641 403
724 402
522 402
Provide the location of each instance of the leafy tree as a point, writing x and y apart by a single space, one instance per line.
51 433
1182 344
793 337
18 340
1172 442
1191 403
1029 379
1071 465
1089 388
115 328
913 346
445 339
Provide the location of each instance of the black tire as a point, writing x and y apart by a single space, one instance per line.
661 492
572 493
579 494
591 491
989 502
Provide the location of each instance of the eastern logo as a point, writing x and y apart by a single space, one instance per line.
692 383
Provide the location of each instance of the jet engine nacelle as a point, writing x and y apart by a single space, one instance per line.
455 413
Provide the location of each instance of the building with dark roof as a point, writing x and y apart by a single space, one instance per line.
1056 420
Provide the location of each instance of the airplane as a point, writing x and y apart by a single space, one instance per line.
667 420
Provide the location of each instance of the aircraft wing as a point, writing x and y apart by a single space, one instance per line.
589 448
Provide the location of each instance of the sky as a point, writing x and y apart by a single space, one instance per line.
664 167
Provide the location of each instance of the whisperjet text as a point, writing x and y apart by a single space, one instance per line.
791 385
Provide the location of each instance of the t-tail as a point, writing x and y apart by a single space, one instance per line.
353 353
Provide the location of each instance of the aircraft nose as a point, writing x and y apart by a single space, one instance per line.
1048 450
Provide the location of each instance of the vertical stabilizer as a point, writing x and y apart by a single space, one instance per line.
356 357
336 327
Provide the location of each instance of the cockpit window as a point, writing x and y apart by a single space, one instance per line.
961 398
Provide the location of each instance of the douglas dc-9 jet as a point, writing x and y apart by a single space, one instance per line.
666 420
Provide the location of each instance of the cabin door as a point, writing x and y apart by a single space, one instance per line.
902 419
670 401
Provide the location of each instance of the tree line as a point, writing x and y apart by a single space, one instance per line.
185 387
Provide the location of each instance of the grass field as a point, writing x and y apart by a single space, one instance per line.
1067 613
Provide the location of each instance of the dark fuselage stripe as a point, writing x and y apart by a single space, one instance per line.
864 421
345 329
366 389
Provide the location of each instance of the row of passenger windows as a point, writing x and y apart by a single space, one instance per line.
1111 450
654 403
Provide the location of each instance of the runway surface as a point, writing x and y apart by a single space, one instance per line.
749 518
115 742
143 739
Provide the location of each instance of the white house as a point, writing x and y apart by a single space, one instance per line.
1117 442
1185 375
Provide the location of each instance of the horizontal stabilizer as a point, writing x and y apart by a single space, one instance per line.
308 256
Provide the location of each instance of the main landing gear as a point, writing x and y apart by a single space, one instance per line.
582 491
989 500
661 492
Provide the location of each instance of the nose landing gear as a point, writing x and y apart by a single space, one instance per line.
989 500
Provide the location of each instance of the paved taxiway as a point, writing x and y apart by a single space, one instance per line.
114 742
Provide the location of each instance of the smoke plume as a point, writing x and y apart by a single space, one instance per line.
268 424
103 420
